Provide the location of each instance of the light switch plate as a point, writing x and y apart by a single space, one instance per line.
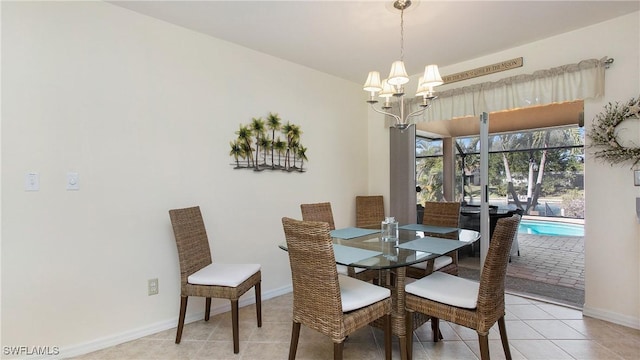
636 177
73 181
32 182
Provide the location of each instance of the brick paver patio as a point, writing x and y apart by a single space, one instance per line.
549 267
556 260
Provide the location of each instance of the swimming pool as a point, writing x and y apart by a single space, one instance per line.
550 228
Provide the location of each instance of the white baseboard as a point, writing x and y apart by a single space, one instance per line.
624 320
129 335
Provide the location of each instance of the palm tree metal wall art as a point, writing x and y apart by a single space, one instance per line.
271 152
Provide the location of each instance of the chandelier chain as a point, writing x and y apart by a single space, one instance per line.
402 35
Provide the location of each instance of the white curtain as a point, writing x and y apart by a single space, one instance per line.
564 83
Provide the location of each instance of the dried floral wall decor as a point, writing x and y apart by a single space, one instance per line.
267 144
603 133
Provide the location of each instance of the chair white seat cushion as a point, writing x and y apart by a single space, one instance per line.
218 274
343 269
357 294
446 289
438 263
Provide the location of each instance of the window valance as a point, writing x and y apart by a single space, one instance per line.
571 82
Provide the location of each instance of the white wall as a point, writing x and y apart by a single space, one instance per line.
612 231
144 111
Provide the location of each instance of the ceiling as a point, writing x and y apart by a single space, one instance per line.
349 38
533 117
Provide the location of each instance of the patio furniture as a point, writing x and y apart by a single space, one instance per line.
470 219
515 246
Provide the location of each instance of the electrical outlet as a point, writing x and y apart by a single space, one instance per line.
152 286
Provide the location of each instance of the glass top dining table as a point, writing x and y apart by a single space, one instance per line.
416 243
365 248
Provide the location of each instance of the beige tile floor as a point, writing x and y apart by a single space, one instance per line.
536 330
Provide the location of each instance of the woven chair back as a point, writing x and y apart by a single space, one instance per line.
191 239
318 212
369 211
316 291
441 213
494 271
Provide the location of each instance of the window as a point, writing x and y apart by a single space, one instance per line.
540 171
429 169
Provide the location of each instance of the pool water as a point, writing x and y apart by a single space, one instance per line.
550 228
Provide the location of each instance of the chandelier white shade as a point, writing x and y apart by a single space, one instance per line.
373 82
398 75
432 76
393 85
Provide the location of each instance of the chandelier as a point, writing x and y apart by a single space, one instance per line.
393 86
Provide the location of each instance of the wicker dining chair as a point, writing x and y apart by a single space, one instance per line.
335 305
369 211
318 212
464 302
439 213
200 276
322 212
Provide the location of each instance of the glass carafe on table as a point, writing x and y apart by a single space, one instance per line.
389 229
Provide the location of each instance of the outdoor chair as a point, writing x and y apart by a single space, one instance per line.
335 305
446 214
515 247
464 302
200 276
